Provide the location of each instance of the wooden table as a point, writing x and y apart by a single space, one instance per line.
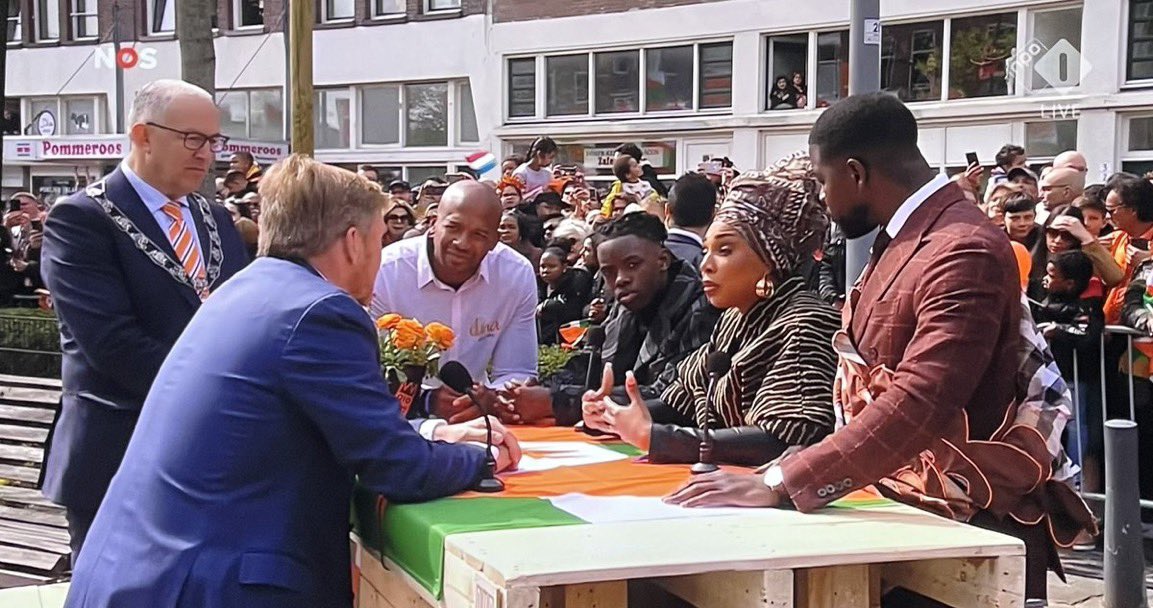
839 557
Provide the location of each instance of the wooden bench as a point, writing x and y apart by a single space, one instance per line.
33 531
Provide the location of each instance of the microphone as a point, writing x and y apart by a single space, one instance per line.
595 336
455 376
717 364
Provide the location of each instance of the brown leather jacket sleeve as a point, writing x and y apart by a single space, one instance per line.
963 296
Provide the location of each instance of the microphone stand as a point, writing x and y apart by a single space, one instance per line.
704 462
488 482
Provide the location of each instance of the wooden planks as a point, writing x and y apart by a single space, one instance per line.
22 414
21 454
23 434
834 587
766 589
970 582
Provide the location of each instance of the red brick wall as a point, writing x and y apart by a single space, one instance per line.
527 10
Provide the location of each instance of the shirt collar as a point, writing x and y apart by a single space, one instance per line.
692 235
152 198
901 216
425 275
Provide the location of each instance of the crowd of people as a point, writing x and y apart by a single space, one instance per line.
826 389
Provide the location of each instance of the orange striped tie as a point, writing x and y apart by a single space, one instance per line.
184 243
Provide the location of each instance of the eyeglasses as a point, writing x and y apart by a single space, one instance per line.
398 218
194 140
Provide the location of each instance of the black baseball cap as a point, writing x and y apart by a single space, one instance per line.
398 184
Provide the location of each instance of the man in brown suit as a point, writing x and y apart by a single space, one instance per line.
928 356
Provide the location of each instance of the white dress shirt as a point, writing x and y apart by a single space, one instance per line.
155 201
901 215
493 314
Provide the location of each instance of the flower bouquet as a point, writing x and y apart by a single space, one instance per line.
409 352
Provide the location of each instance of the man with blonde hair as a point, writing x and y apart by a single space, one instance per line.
235 493
128 261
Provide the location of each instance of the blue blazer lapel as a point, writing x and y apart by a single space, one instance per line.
120 191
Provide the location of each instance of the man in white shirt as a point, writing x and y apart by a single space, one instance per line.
460 275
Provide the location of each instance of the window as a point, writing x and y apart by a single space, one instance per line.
15 32
567 85
426 108
522 87
466 125
47 20
331 114
911 60
161 16
618 83
716 75
978 49
79 116
1140 63
256 114
417 175
1059 31
11 125
1140 133
388 8
788 64
380 115
1050 138
43 117
248 13
266 115
832 67
669 79
339 10
85 23
441 5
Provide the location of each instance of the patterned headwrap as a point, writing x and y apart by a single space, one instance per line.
778 211
514 182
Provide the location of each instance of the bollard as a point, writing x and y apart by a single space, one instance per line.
1124 555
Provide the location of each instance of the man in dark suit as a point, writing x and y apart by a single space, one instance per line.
692 205
128 262
235 489
933 333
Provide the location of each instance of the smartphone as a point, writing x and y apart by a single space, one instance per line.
971 159
13 205
37 226
710 167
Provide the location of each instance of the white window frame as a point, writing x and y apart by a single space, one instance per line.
1027 23
150 16
428 10
325 18
353 117
541 113
74 18
1125 82
36 20
449 108
18 37
247 95
456 99
392 16
97 112
237 14
810 66
401 111
1124 153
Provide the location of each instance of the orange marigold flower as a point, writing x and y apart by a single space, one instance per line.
441 335
408 333
388 321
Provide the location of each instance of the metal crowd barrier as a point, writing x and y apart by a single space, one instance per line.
1075 386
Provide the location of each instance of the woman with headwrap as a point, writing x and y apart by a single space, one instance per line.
778 391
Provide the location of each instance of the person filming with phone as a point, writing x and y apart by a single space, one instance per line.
23 235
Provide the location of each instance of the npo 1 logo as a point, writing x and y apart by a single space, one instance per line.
1060 66
142 57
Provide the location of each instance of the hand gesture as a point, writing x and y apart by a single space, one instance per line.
598 311
525 403
1074 227
631 422
724 489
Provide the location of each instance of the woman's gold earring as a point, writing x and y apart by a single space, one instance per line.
765 288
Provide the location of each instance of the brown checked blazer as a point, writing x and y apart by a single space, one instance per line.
936 323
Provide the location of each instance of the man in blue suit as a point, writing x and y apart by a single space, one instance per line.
236 487
128 262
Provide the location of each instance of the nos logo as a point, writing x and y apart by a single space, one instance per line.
128 58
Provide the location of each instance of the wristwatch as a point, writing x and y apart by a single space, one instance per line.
775 479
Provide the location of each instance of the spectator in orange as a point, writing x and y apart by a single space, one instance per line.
1130 206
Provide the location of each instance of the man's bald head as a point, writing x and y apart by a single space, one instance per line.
473 198
1061 187
466 230
1071 159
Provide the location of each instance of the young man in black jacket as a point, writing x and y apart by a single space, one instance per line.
660 316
